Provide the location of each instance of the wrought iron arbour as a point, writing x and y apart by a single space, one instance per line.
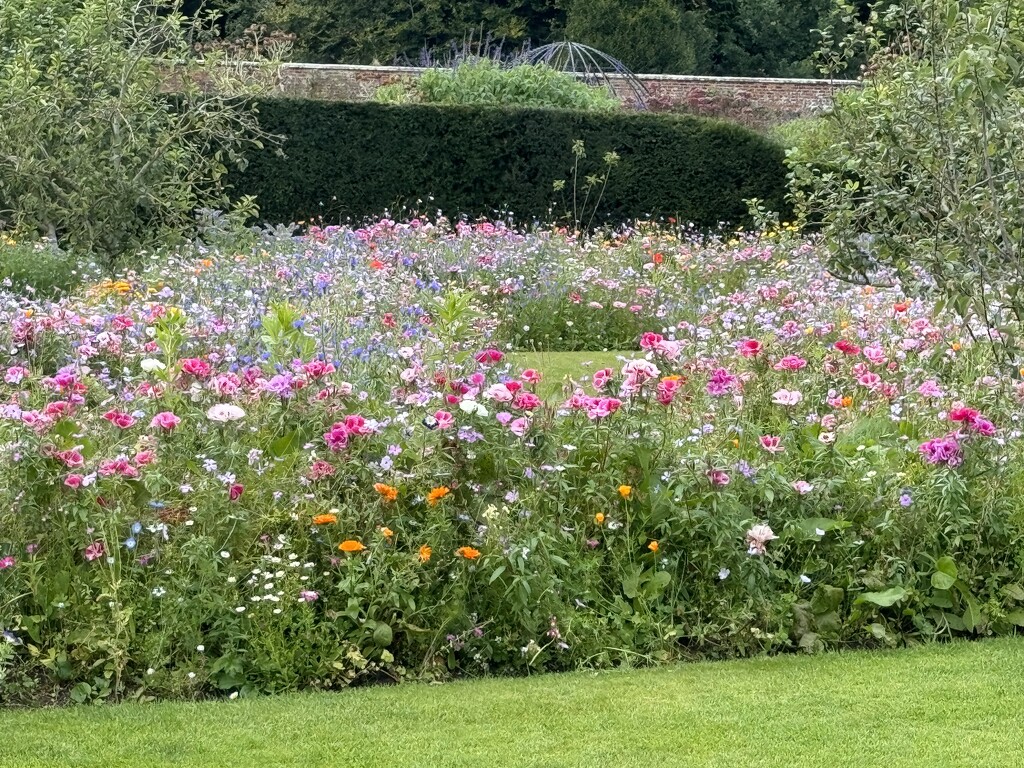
589 65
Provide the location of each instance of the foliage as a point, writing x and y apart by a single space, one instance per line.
649 36
720 37
922 175
368 31
346 160
94 156
485 82
39 269
306 463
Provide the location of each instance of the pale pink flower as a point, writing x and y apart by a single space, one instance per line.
772 444
802 487
758 538
787 397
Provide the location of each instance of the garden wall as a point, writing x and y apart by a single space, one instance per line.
348 161
768 99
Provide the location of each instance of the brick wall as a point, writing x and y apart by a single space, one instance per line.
757 101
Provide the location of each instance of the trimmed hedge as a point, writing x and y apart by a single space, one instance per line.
356 160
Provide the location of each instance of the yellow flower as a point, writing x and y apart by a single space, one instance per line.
735 443
325 519
653 546
351 545
425 553
468 552
956 346
599 518
625 491
436 494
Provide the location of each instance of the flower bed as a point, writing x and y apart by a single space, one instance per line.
314 463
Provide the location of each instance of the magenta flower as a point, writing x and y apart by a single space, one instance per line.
718 477
772 444
165 420
444 420
235 490
489 356
942 450
94 551
790 363
119 419
7 562
750 347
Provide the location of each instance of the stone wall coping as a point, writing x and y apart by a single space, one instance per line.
643 78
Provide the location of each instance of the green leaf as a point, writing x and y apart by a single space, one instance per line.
942 580
497 574
1014 591
884 598
947 566
1016 617
282 446
382 635
972 615
80 693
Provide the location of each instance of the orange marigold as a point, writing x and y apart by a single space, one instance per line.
387 492
468 552
351 545
324 519
436 494
625 491
653 546
847 401
425 553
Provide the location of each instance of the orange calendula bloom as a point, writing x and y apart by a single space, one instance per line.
436 494
387 492
468 552
956 346
425 553
325 519
653 546
599 518
625 491
386 532
351 545
735 442
847 401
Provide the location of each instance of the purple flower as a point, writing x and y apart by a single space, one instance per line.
906 500
308 596
6 562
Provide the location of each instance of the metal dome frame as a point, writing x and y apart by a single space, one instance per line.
589 64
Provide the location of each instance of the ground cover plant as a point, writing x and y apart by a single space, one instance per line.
306 461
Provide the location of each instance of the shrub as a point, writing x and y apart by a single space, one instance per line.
39 269
352 161
486 82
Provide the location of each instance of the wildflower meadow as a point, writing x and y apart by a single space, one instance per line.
289 462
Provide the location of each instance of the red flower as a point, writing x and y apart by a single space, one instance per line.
235 491
750 347
847 347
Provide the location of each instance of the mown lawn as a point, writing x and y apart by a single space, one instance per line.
559 368
955 705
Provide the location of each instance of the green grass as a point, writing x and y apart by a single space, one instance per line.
559 368
955 705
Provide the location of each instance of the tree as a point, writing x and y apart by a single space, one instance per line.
96 152
923 181
648 36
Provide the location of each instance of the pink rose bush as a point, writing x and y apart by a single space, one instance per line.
333 456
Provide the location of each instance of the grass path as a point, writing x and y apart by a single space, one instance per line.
956 705
558 366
